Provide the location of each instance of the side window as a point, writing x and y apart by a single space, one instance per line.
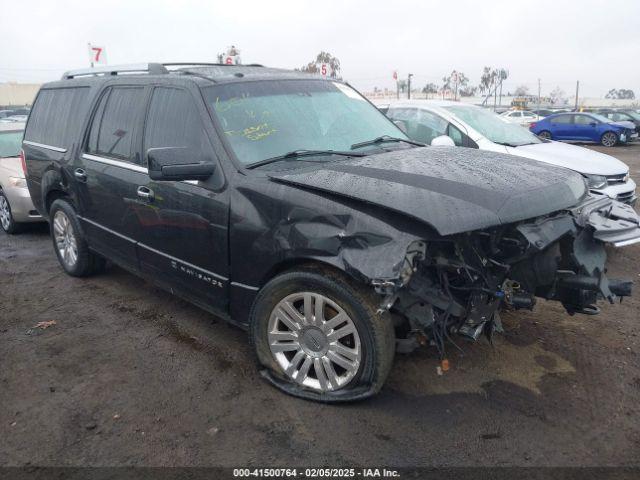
583 120
173 121
113 125
456 135
564 119
56 116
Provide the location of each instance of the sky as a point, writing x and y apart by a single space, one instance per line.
557 41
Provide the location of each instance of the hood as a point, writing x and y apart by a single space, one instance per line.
624 124
576 158
454 190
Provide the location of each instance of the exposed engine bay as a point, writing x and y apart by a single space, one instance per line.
458 284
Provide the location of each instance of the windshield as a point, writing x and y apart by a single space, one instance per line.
266 119
10 143
634 115
601 118
493 127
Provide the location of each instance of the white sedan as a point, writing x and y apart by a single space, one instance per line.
521 117
436 122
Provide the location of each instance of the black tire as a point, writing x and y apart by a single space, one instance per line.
87 262
609 139
545 134
8 224
375 330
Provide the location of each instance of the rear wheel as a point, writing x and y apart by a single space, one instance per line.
318 336
69 242
609 139
7 222
545 135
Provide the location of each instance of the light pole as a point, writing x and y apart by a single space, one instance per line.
409 86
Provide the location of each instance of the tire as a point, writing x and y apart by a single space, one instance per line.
8 224
359 362
69 241
608 139
545 135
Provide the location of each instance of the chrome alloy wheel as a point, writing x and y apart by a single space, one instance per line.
314 341
5 213
65 239
609 139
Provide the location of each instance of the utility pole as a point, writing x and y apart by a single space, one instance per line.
577 90
409 86
538 94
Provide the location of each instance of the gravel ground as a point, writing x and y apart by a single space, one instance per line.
129 375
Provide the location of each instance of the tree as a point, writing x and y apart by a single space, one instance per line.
456 81
491 77
326 58
621 94
521 91
468 91
558 97
430 88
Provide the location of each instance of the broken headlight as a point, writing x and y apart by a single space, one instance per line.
596 182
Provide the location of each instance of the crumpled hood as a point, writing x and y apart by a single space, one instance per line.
454 190
580 159
625 124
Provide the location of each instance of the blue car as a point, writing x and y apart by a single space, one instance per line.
583 127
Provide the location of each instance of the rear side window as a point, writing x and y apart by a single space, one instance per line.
56 116
561 119
173 121
113 125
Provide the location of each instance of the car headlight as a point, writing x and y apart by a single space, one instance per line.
625 179
18 182
596 182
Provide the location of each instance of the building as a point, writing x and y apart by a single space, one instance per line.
18 94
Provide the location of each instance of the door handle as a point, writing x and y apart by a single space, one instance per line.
80 174
145 192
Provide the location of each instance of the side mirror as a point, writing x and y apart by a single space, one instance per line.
443 141
178 163
593 124
401 125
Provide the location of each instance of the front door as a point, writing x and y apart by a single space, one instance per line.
183 229
107 171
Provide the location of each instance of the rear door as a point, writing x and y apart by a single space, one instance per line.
107 171
183 227
561 127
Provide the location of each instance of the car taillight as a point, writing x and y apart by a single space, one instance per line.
23 163
533 125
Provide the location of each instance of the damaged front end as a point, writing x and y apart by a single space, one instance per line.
457 284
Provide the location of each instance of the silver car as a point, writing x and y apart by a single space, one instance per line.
16 207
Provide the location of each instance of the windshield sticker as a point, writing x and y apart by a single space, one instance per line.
254 133
349 92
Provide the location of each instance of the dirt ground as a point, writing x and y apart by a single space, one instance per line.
130 375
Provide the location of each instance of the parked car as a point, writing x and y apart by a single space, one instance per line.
543 112
15 119
288 204
16 207
622 116
475 127
583 127
6 113
520 117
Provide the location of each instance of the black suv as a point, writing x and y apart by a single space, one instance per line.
287 204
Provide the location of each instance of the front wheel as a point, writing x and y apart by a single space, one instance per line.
319 336
609 139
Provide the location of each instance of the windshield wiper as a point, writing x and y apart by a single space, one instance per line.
385 139
302 153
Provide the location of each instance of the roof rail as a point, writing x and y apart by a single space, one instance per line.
150 68
201 64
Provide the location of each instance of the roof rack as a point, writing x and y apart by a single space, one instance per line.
150 68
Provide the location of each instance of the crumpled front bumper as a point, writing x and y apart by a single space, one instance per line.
613 222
